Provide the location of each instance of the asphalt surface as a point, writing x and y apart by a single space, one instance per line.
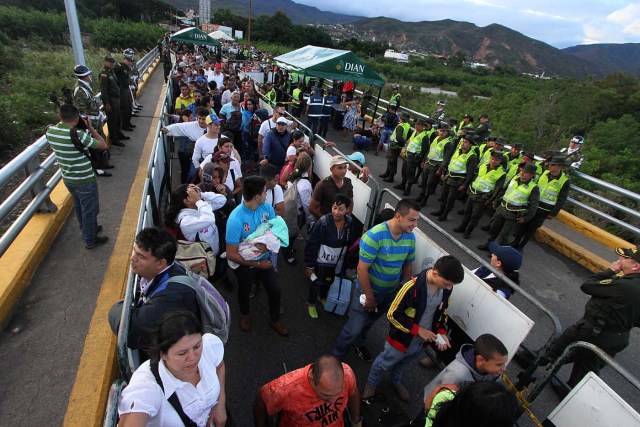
41 345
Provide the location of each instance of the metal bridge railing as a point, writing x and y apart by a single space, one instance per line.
35 182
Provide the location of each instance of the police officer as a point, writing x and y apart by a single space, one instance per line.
461 169
394 101
123 73
484 128
514 156
110 93
439 114
296 99
482 192
610 314
554 187
518 204
440 148
416 148
573 153
397 140
89 106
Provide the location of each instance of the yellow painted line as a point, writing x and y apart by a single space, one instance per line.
21 260
571 250
592 232
98 363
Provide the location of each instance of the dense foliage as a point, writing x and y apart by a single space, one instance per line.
35 59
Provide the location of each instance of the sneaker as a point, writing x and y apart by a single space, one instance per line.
363 353
402 392
322 301
100 240
280 328
313 312
253 290
368 391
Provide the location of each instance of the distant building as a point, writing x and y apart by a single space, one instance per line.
205 11
397 56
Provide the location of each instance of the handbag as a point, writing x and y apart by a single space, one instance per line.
339 296
196 257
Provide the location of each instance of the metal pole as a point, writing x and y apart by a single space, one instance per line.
249 30
74 32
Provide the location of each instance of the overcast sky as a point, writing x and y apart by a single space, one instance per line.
560 23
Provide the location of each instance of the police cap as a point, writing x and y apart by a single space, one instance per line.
81 70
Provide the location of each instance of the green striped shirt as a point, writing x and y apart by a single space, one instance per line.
386 256
74 165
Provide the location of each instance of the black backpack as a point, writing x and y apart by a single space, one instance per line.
390 119
234 124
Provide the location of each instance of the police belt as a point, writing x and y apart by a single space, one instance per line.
457 175
413 156
612 329
545 206
474 191
514 208
436 164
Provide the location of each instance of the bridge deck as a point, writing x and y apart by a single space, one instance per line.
41 346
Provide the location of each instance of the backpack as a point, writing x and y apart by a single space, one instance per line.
214 310
291 209
234 123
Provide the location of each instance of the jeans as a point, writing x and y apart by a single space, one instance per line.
385 135
354 333
86 206
393 361
362 143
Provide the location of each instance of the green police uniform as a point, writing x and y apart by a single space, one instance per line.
396 142
110 93
482 191
86 102
461 170
610 314
554 191
123 75
416 147
439 150
519 199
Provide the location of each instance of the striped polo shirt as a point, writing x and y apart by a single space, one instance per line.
386 256
74 165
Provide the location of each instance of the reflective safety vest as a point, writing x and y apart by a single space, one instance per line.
511 172
484 153
271 96
518 194
296 96
549 190
486 179
436 151
394 99
516 161
415 143
458 163
405 132
431 132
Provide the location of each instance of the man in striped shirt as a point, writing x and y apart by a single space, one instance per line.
386 253
77 174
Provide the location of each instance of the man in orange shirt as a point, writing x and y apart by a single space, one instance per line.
313 396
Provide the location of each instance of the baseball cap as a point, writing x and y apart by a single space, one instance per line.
632 253
282 120
212 118
217 66
510 258
221 156
357 157
207 172
337 160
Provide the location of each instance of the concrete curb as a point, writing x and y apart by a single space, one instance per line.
582 256
593 232
98 363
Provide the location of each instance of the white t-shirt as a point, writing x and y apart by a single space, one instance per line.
275 196
291 151
304 195
204 147
144 395
218 78
265 127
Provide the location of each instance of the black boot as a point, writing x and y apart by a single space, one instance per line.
483 247
420 197
443 217
400 186
388 179
423 203
460 228
467 232
437 213
384 175
407 192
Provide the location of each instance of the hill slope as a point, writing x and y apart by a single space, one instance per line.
610 58
495 45
298 13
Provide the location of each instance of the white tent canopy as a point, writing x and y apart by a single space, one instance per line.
219 35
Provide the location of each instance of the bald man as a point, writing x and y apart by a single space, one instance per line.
316 395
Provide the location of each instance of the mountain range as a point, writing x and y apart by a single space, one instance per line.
494 45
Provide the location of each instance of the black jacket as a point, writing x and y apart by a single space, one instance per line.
172 297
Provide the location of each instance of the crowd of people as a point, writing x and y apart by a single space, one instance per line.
248 191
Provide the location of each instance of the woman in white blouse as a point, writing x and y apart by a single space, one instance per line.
186 363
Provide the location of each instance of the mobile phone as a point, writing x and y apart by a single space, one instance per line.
440 340
313 277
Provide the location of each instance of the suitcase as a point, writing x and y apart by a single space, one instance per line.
377 411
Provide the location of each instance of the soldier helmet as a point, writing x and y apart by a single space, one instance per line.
129 53
81 70
578 139
442 103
